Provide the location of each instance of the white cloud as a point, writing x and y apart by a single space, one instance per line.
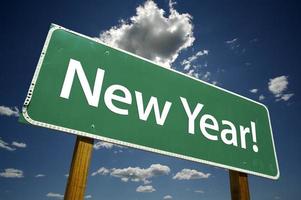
88 197
145 188
278 86
5 145
261 97
55 195
254 90
152 33
40 175
19 144
199 191
7 111
100 144
167 197
12 173
135 174
101 171
187 62
232 41
189 174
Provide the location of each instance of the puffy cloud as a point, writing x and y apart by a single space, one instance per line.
199 191
153 34
145 188
254 90
40 175
278 86
167 197
12 173
261 97
233 44
7 111
5 145
55 195
101 171
189 174
19 144
135 174
187 62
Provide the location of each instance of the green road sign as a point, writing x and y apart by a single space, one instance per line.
88 88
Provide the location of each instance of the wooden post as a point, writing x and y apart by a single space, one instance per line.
239 185
76 185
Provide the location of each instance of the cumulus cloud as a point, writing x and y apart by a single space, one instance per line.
254 90
135 174
7 111
88 197
145 188
6 146
101 171
261 97
55 195
187 63
12 173
40 175
189 174
167 197
19 144
233 44
278 86
152 33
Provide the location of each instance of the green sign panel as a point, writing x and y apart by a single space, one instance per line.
88 88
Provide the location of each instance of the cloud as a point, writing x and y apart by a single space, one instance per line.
278 86
167 197
135 174
19 144
187 62
261 97
105 145
88 197
101 171
40 175
153 34
7 111
232 41
254 90
145 188
5 145
55 195
12 173
199 191
189 174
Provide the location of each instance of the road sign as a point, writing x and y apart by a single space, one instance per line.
84 87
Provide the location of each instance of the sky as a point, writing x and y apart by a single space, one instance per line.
248 47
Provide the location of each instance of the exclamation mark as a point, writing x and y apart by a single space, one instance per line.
253 131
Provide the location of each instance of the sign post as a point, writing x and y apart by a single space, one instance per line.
76 185
239 186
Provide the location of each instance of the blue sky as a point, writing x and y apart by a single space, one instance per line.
250 48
